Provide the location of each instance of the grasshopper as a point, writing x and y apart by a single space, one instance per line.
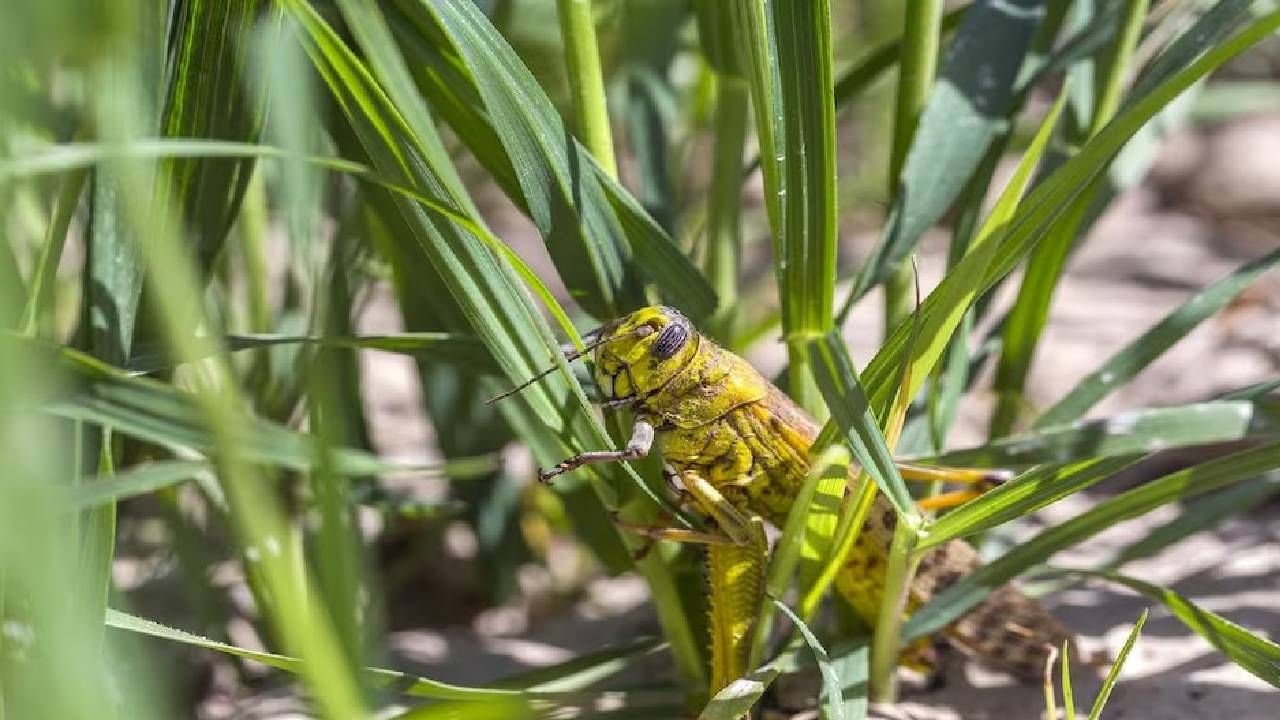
739 449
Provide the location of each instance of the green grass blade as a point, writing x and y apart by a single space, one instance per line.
876 61
436 347
737 698
1120 368
390 679
585 239
807 271
137 480
1209 31
487 295
158 413
113 276
584 671
62 157
1068 695
285 589
1256 391
486 94
37 315
852 670
753 27
803 35
1184 484
1113 674
1203 515
937 318
500 708
112 285
724 202
968 106
838 381
452 95
486 290
1022 495
1136 431
375 38
1251 651
38 553
786 48
1026 319
1042 206
220 104
832 686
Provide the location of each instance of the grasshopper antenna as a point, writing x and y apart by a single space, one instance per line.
570 355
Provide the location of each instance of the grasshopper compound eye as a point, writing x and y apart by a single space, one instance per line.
670 340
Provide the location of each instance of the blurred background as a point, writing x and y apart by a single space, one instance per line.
340 389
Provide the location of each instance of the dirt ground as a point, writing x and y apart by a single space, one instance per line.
1207 208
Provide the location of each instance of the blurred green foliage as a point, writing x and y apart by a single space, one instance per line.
199 200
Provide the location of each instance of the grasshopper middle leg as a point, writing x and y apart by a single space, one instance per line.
638 446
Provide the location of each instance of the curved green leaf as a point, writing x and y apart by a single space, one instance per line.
1114 673
387 679
591 224
1120 368
1184 484
462 350
158 413
1131 432
832 687
1251 651
850 411
1022 495
1044 204
967 107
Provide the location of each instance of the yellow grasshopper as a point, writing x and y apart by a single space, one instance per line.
740 448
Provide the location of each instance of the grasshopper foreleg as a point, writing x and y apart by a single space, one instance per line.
638 446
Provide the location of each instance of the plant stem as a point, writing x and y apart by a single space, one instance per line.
38 315
253 239
921 36
724 211
899 296
586 81
886 642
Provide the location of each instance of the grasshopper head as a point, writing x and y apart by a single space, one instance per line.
638 354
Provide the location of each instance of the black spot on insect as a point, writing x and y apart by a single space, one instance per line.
946 579
988 633
928 563
889 520
670 340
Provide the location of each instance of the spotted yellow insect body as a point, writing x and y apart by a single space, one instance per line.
741 449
